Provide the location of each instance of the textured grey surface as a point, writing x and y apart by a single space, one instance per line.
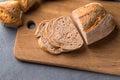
12 69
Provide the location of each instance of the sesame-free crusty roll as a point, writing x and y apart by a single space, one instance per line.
93 21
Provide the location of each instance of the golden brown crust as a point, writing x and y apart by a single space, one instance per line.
82 11
93 23
10 13
90 15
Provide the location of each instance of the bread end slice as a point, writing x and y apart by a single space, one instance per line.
93 22
103 29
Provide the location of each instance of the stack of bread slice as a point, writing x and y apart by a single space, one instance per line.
63 34
58 35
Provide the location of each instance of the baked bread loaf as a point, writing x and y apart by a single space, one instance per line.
10 13
93 22
61 35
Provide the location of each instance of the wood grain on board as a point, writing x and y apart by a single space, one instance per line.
102 56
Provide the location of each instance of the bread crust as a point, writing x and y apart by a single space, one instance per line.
89 14
102 29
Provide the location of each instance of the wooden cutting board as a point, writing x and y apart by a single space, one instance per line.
103 56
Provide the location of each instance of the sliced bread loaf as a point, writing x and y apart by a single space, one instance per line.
58 35
10 13
93 22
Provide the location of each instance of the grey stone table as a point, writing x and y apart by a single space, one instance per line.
12 69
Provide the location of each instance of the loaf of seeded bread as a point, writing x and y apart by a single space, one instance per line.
10 13
93 22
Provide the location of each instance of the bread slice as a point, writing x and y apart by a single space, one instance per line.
93 22
10 13
66 34
40 28
44 44
49 30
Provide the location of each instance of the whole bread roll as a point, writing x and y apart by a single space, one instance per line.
93 22
10 13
